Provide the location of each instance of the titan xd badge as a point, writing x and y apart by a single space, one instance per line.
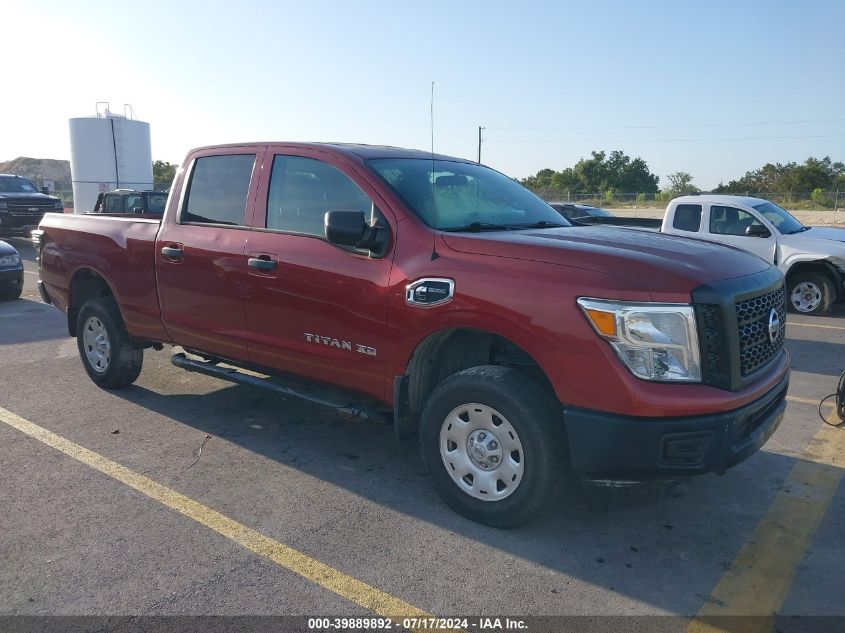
330 341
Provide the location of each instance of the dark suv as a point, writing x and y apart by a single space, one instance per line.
22 205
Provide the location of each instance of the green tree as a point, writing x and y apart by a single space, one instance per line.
598 174
163 173
815 173
681 183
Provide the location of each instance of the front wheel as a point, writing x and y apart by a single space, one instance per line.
810 293
493 445
106 350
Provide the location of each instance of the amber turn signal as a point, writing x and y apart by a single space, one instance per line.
604 322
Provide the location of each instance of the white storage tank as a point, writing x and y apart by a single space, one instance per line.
108 151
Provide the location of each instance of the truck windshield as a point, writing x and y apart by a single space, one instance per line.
783 221
16 184
451 195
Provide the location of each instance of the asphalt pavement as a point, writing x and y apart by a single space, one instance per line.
76 540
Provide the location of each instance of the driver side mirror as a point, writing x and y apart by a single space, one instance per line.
45 190
350 228
757 230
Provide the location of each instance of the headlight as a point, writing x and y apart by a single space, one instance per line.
9 260
2 205
59 205
656 341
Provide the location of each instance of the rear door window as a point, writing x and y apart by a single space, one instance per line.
687 217
217 192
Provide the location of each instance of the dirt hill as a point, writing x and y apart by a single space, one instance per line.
38 169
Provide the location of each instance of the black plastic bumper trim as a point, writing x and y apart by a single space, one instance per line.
608 446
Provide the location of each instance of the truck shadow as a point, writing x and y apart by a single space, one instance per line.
24 247
816 357
42 322
669 554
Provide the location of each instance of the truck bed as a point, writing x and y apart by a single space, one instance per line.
119 249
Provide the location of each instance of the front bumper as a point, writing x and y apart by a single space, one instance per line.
11 277
614 450
18 226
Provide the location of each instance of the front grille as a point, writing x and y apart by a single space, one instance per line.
30 208
715 366
756 348
733 327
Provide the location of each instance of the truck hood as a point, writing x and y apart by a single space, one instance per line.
26 196
816 243
823 233
645 260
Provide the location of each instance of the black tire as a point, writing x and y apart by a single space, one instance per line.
124 359
535 416
820 281
10 293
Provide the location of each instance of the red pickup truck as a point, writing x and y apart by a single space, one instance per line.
378 280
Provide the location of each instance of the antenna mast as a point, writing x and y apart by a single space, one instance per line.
434 254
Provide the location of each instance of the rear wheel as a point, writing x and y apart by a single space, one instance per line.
492 443
810 293
106 350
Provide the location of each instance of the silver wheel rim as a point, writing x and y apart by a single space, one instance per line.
95 340
806 296
482 452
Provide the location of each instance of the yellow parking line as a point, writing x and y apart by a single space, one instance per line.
309 568
815 403
761 575
827 327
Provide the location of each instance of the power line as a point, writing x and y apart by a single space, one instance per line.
665 140
672 125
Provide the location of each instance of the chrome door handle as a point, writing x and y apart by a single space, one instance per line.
260 263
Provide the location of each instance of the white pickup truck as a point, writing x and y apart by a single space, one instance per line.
811 258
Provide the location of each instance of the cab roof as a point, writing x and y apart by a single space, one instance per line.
359 150
720 199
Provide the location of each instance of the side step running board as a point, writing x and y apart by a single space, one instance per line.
347 407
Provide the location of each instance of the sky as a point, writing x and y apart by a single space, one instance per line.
711 88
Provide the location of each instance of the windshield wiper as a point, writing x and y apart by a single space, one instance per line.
477 227
801 230
542 224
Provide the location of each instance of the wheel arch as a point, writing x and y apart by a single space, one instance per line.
821 266
86 283
446 352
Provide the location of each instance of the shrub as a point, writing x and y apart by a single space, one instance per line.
821 198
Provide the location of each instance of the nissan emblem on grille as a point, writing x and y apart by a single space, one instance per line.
774 325
761 329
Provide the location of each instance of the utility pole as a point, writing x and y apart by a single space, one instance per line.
479 143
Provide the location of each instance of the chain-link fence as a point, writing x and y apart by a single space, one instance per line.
818 199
